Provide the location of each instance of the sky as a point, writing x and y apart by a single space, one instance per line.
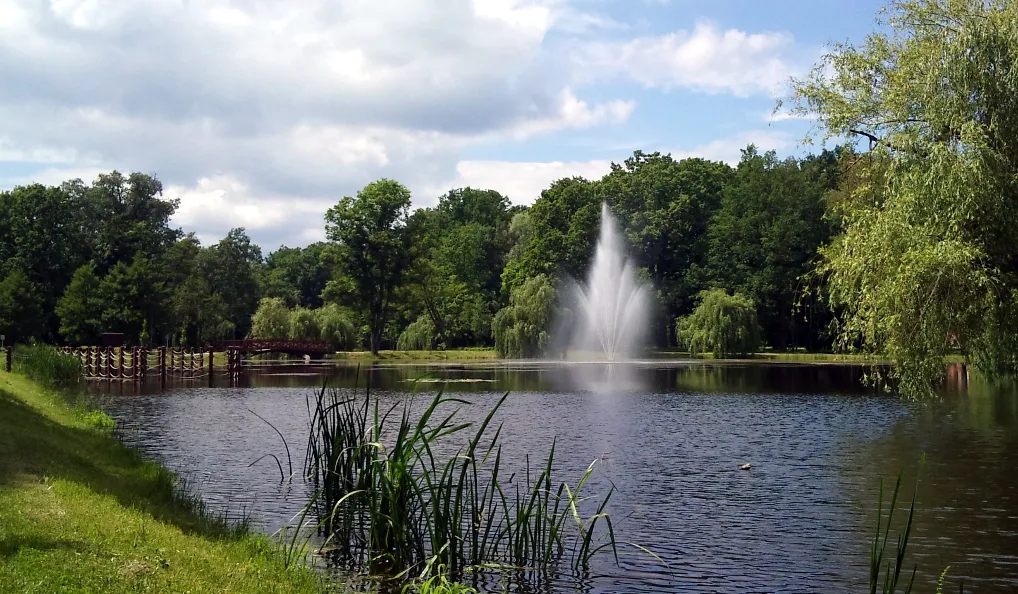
264 113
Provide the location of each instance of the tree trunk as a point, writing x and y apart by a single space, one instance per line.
376 341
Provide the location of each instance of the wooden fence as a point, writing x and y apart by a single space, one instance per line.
138 364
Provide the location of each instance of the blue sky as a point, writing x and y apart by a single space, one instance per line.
262 114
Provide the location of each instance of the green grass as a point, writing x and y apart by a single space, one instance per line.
451 355
81 512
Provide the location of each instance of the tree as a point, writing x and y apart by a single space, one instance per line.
336 327
127 216
20 308
521 329
930 265
81 307
298 275
305 324
135 301
231 269
419 336
764 237
271 319
371 233
665 208
721 324
40 234
200 315
565 222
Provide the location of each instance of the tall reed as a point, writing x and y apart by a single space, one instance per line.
47 365
389 503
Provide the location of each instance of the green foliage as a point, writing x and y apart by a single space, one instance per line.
48 366
565 222
418 336
665 207
271 319
81 307
521 329
373 247
305 324
20 308
399 507
231 269
336 327
297 275
765 236
134 299
926 261
437 584
99 420
721 324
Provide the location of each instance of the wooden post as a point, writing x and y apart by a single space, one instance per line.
8 358
120 363
109 363
211 368
162 364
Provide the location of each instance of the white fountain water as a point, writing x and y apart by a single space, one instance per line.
612 305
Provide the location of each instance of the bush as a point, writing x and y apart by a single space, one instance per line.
418 336
721 324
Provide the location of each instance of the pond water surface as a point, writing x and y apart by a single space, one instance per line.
671 439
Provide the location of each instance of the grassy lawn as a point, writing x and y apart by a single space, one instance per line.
451 355
80 512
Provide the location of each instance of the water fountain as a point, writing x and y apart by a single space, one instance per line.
611 307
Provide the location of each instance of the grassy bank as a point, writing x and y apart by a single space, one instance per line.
452 355
81 512
792 357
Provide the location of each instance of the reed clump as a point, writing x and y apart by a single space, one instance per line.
48 366
388 503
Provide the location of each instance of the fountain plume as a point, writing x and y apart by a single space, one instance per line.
612 305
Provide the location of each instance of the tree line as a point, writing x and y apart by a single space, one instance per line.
77 260
906 249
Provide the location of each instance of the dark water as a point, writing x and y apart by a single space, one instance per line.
671 439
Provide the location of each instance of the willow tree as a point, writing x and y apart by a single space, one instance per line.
929 262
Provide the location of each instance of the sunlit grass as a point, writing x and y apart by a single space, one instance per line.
81 512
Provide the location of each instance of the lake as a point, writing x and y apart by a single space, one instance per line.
670 437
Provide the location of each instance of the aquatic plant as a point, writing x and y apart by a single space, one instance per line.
47 365
390 505
892 571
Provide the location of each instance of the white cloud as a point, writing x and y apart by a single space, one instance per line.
707 59
729 149
521 181
263 114
784 116
222 202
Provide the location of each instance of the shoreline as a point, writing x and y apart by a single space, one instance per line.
82 511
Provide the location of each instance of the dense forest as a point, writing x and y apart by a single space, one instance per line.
78 260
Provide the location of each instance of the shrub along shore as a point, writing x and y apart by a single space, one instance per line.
82 512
